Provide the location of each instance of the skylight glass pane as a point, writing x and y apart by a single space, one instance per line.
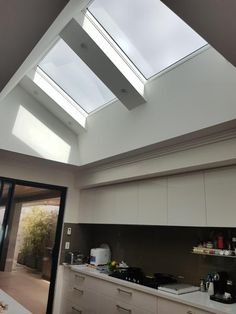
149 33
71 74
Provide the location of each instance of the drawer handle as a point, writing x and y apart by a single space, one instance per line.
78 290
124 291
123 309
189 312
76 310
80 277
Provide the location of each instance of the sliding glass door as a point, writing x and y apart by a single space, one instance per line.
6 193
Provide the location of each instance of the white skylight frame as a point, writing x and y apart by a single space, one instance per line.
57 94
89 17
64 93
94 21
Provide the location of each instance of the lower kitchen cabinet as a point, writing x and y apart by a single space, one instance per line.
168 307
87 295
79 294
113 306
123 297
75 309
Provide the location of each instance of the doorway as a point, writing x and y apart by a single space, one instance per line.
31 216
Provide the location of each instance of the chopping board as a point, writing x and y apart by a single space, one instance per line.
178 288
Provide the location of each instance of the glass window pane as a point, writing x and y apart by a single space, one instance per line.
68 71
148 32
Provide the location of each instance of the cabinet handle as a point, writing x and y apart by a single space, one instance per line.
124 291
78 290
76 310
80 277
123 309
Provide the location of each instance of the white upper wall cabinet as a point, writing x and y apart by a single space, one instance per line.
126 203
114 204
220 185
195 199
152 202
97 205
87 206
104 207
186 200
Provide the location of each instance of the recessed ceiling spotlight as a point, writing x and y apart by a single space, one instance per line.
83 46
123 91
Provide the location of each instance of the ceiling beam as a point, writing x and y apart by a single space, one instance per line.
102 64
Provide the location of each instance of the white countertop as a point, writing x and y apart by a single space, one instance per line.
13 306
196 299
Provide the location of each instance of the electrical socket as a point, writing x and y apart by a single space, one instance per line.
68 231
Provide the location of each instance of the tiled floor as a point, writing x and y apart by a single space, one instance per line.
27 288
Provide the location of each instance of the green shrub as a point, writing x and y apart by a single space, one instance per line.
38 228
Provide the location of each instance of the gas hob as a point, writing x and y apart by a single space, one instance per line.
136 275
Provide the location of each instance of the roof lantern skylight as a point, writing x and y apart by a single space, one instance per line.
75 78
150 34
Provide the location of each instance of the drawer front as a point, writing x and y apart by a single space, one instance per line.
88 302
167 307
140 299
111 306
82 281
77 279
76 295
197 311
75 309
71 308
129 296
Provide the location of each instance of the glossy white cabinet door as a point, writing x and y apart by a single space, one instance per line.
152 202
75 309
104 205
87 206
112 306
97 205
197 311
169 307
126 203
220 185
186 200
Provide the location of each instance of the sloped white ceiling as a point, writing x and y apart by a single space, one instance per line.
22 24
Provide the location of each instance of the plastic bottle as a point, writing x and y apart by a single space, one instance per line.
210 290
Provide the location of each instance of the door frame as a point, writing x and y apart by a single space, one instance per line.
57 242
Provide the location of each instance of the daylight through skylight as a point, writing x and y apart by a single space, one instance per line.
72 75
149 33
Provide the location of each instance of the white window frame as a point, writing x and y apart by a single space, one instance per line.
56 93
90 17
